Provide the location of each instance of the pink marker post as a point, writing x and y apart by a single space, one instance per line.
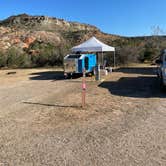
83 88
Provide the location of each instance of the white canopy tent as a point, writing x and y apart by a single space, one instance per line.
94 45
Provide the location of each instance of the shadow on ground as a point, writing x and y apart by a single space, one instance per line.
52 105
137 70
49 75
144 86
52 75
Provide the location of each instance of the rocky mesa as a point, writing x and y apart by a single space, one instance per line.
52 37
22 30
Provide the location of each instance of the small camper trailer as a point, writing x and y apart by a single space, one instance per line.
76 63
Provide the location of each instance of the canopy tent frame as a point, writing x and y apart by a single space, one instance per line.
94 45
114 59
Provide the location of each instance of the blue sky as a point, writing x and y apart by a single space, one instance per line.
122 17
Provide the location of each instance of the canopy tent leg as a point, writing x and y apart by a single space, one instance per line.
102 59
114 60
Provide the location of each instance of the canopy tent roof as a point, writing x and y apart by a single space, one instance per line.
93 45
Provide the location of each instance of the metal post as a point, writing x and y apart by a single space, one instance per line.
114 60
83 88
98 74
97 57
102 58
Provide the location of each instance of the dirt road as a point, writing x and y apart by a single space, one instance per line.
42 123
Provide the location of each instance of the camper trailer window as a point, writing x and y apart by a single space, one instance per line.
76 56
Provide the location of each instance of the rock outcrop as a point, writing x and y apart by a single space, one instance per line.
45 23
22 30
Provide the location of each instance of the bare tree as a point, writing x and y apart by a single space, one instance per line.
156 31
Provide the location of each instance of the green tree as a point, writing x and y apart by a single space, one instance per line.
17 58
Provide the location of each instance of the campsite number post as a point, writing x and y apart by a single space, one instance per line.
83 88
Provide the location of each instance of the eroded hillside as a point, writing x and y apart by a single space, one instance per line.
49 39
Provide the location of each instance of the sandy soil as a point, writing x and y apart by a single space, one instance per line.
42 123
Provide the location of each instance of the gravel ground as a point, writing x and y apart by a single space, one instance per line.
42 123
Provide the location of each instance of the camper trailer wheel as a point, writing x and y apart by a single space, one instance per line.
93 73
89 74
67 75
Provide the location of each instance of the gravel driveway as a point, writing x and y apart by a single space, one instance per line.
42 123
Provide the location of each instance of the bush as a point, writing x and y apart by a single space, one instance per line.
3 59
49 55
39 54
16 58
148 54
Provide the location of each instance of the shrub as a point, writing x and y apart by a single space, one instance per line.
16 58
3 59
49 55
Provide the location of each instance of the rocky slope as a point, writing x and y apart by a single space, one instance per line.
35 34
22 30
45 23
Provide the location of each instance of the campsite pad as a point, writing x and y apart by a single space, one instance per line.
42 123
